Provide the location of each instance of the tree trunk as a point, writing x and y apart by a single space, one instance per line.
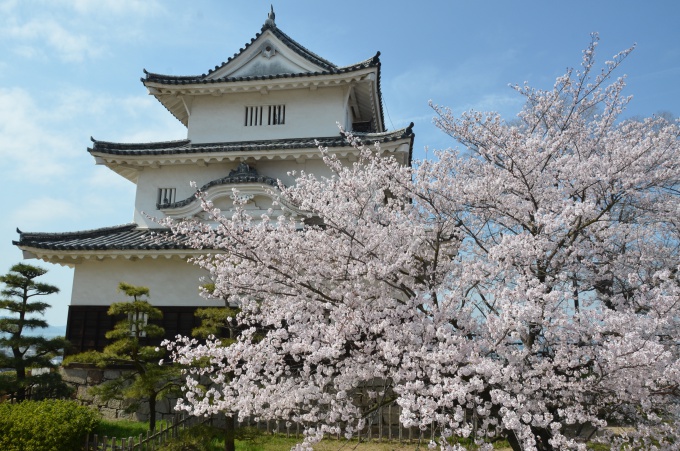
152 413
542 437
514 443
230 434
20 394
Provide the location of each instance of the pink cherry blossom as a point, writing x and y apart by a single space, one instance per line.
525 286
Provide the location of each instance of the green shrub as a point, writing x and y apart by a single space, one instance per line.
84 357
51 425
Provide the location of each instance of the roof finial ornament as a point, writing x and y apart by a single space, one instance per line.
270 18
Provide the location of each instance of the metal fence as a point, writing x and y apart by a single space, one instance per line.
144 442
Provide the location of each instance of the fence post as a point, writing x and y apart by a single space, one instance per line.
369 433
389 422
401 432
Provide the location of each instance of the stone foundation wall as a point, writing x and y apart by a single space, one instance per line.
83 377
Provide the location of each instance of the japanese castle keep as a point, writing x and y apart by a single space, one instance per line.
250 121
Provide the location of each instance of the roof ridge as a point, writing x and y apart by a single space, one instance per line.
115 238
368 62
82 233
147 145
405 131
302 49
287 40
200 79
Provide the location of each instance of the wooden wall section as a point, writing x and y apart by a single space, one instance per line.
87 326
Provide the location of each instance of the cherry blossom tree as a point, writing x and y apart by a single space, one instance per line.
523 287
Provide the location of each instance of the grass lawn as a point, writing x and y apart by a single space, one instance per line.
277 443
203 439
124 428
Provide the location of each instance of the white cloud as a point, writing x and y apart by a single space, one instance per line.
30 145
117 7
8 6
45 32
43 139
72 30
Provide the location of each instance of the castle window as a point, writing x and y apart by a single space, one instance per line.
265 115
138 321
165 196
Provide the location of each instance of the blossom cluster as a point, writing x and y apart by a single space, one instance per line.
525 287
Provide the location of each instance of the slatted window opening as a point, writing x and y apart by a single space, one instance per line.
138 320
166 196
265 115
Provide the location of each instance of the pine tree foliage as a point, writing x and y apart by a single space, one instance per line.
142 378
20 347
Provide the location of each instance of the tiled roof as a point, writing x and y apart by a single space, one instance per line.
187 147
292 44
122 237
202 79
328 68
287 40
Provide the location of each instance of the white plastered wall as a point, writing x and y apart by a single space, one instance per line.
180 176
309 113
172 282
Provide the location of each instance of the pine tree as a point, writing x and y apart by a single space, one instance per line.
19 350
146 380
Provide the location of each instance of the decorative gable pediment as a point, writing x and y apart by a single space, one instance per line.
267 55
254 193
271 52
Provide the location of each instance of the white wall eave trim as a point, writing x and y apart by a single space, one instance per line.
72 258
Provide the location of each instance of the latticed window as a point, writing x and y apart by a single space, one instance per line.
265 115
138 320
165 196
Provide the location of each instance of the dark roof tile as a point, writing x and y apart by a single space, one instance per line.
187 147
202 79
122 237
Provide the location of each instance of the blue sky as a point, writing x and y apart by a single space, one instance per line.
70 70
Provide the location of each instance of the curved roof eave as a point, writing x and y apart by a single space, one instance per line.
187 147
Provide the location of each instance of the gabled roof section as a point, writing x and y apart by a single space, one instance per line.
204 79
284 39
271 60
241 175
270 43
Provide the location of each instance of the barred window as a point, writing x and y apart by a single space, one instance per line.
138 321
165 196
265 115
